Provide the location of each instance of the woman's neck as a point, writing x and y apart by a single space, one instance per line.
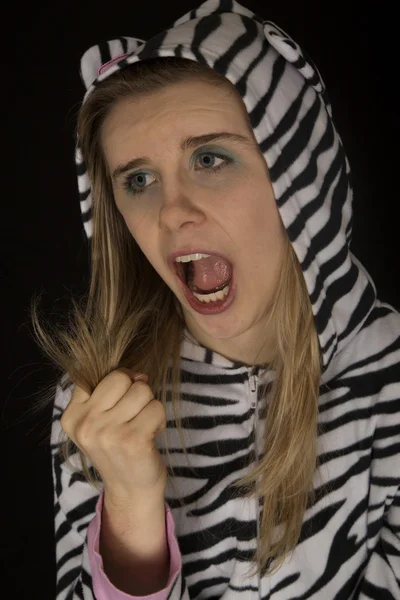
241 349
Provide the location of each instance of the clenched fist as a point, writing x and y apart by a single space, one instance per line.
115 428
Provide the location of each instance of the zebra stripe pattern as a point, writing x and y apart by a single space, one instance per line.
349 544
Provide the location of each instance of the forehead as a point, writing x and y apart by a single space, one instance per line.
188 108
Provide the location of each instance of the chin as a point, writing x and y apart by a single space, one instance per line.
218 327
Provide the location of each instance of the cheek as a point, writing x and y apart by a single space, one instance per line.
256 210
135 227
260 224
134 221
138 229
141 230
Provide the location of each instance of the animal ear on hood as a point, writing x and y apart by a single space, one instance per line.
99 58
292 52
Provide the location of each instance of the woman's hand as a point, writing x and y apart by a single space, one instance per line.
115 428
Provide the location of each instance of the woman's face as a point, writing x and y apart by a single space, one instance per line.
181 203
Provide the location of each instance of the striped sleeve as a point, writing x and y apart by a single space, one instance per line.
79 569
381 580
381 577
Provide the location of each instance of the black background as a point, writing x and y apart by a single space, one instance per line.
44 246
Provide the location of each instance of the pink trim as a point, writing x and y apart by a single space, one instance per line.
102 586
110 63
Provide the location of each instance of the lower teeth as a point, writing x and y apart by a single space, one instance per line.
214 297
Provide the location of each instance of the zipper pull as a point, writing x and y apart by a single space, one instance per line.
253 382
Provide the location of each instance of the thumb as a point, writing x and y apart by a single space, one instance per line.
135 376
139 376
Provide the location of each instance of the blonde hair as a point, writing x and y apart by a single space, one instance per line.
130 318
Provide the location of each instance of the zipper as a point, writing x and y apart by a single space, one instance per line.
253 384
254 404
253 387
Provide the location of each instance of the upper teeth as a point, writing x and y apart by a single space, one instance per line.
189 257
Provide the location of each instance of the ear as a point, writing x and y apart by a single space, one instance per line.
292 52
98 58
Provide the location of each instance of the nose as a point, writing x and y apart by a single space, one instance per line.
181 207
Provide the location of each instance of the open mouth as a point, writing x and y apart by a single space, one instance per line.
205 302
185 272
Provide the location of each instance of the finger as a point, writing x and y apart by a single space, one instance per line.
110 390
150 419
79 395
75 407
135 376
131 404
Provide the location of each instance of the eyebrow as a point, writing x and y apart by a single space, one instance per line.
189 143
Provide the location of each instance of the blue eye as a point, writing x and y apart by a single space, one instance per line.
211 157
136 183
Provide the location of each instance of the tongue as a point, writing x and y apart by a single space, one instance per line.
209 273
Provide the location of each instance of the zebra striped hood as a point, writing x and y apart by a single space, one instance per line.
290 113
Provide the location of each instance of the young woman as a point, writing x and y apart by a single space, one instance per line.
257 456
